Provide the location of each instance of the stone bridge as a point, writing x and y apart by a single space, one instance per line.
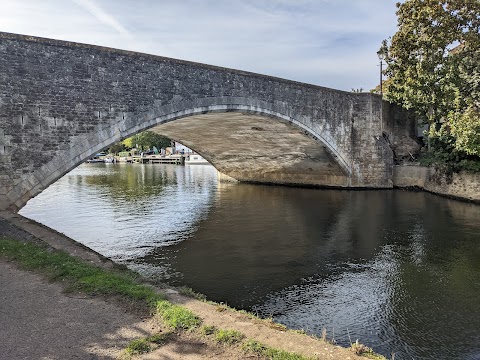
62 102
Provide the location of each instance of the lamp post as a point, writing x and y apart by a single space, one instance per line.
381 56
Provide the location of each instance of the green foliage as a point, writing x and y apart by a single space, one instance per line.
260 349
228 336
128 143
251 345
138 346
445 156
208 329
187 291
362 350
145 345
147 140
80 276
177 317
434 65
160 338
116 148
466 129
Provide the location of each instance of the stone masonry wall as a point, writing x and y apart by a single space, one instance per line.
462 185
62 102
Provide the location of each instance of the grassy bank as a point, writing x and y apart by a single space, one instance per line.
79 276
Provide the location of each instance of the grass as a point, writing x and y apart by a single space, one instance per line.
177 317
228 337
232 337
253 346
145 345
274 325
187 291
363 350
138 346
160 338
77 274
208 329
81 276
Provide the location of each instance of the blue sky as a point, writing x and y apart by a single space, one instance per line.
330 43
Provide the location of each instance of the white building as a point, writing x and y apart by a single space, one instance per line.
182 149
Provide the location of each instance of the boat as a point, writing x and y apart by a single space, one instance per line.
100 158
93 161
195 159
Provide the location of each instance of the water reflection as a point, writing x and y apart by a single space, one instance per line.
125 210
398 270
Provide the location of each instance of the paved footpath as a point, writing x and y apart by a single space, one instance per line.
38 321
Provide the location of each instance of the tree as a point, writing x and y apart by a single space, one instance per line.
465 120
433 66
147 140
116 148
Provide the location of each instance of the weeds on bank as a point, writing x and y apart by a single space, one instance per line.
77 274
222 336
228 337
363 350
221 307
233 337
207 329
253 346
187 291
177 317
138 346
145 345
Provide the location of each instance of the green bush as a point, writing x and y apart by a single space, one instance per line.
444 156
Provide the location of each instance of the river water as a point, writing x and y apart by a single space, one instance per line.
398 270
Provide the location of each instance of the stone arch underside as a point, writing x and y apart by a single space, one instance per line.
254 148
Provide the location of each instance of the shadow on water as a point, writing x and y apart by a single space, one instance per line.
398 270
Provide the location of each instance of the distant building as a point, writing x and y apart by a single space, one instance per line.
181 149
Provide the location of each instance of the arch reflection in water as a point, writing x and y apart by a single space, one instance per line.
399 270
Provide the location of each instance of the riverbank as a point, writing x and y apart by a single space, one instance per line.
463 186
259 336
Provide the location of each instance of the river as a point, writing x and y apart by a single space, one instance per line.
398 270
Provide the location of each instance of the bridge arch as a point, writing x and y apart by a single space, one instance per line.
164 121
248 106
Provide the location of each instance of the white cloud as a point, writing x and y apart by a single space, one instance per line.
102 16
